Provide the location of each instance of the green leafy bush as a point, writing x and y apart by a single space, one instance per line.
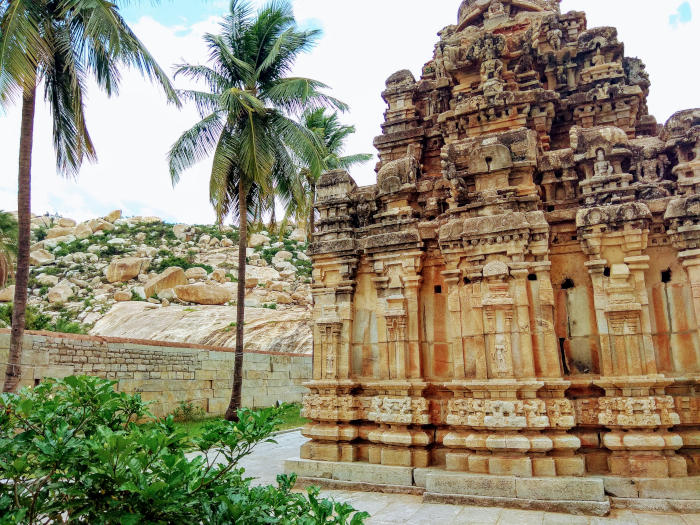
188 411
168 262
71 452
39 321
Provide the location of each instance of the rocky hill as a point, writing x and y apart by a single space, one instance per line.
141 278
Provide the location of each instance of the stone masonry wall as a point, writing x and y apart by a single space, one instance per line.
167 373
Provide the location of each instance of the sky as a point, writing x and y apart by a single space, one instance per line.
363 43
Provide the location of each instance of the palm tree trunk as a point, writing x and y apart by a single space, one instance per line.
312 212
13 374
235 403
273 218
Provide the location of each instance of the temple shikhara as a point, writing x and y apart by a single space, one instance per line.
511 313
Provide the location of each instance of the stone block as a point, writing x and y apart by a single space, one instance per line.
580 489
355 472
672 488
470 484
620 487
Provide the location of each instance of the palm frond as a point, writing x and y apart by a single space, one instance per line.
194 145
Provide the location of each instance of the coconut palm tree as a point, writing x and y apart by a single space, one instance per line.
332 134
59 44
8 245
246 124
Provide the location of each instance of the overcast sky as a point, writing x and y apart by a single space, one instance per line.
363 42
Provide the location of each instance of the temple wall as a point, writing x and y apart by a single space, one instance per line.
519 293
164 373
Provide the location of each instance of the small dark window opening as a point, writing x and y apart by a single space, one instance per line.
550 208
666 276
568 284
562 341
467 280
438 289
532 277
488 160
37 382
558 173
606 271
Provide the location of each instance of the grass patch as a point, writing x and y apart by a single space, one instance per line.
292 419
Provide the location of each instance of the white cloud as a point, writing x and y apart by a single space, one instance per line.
363 43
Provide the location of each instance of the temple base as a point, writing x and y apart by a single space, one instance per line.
589 495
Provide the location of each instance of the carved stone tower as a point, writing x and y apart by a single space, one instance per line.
519 294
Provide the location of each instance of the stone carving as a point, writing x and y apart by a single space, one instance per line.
519 294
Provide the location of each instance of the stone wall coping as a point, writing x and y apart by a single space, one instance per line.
145 342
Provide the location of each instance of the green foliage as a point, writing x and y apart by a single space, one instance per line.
41 233
304 268
38 321
271 306
187 412
136 297
168 262
71 452
64 248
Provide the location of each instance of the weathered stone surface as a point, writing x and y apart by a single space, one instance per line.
122 296
59 231
518 296
114 216
203 293
41 257
196 273
169 279
265 330
60 293
82 231
7 295
258 239
122 270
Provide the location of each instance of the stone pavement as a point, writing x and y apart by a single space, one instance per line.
268 460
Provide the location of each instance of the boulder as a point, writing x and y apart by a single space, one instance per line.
60 293
226 242
181 232
170 278
59 231
303 257
279 298
41 257
298 235
204 240
219 276
139 291
8 294
118 241
122 270
251 282
122 296
47 280
66 223
167 295
258 239
196 273
99 225
203 293
113 216
41 222
284 255
50 244
83 231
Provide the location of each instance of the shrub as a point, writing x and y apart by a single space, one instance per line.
71 452
168 262
188 411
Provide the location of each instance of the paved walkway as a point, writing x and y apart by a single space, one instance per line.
268 460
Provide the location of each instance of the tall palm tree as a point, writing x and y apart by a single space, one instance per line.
246 123
332 135
8 245
60 43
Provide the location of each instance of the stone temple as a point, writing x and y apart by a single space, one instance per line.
510 314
